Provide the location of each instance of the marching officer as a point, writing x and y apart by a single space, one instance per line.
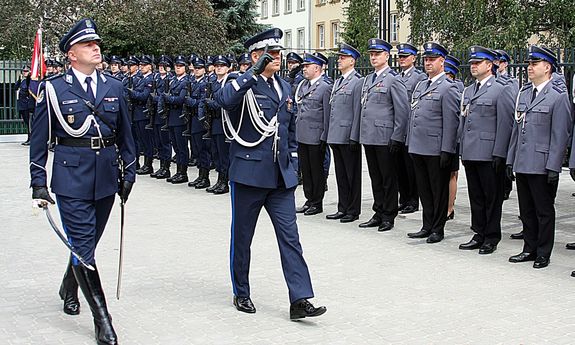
139 95
312 98
540 134
264 174
345 107
432 140
174 99
200 145
24 100
410 75
162 135
381 130
486 124
93 135
220 146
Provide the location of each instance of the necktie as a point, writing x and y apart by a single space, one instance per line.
402 74
339 81
89 92
477 86
428 83
373 78
271 85
534 95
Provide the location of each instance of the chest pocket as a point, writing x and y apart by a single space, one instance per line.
68 109
485 104
380 94
263 102
111 107
542 115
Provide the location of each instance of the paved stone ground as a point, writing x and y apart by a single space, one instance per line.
380 288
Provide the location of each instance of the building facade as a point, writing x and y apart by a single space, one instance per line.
292 16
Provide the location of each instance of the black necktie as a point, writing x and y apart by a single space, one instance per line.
402 74
339 81
271 84
477 86
428 83
373 78
534 95
89 92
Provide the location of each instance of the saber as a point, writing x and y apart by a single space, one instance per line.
121 257
64 240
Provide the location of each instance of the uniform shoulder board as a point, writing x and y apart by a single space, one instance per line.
393 73
526 86
417 71
357 74
449 80
53 77
560 88
113 77
502 81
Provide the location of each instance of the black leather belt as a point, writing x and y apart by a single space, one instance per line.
95 143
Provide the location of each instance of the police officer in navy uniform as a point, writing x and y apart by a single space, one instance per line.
345 107
381 129
201 146
25 101
312 99
294 76
410 75
90 123
244 62
432 140
139 95
486 124
115 65
540 135
220 146
177 125
162 137
264 175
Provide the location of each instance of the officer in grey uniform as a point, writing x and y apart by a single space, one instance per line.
408 198
432 140
486 123
381 129
345 102
540 135
312 98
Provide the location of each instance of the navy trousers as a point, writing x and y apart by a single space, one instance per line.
84 222
201 150
162 140
247 202
222 153
145 138
180 144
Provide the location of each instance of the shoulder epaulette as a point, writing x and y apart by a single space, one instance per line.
559 88
114 77
526 86
417 71
53 77
449 80
393 72
502 81
357 74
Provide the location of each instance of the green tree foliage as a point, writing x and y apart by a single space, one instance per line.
360 25
126 26
503 24
238 17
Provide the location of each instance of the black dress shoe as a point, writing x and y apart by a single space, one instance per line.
541 262
348 218
573 274
313 210
244 304
570 246
487 248
385 226
434 238
337 215
420 234
302 209
473 244
409 209
451 215
303 308
522 257
373 222
517 236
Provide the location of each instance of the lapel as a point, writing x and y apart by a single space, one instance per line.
102 89
345 81
310 88
265 88
484 88
433 86
75 86
540 96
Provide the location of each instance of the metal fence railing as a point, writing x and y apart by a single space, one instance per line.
10 122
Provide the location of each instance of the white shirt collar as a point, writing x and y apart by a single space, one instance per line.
434 79
484 80
82 79
314 80
348 73
378 73
541 86
407 71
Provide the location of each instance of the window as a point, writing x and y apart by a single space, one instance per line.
300 38
321 36
334 34
288 6
264 9
300 5
275 7
321 2
287 38
394 26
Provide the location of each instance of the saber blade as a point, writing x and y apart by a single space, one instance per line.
121 257
64 240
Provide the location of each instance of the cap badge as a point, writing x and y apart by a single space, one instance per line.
88 23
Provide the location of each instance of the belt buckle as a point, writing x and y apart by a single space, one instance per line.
95 143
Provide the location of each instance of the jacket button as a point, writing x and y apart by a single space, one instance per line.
247 156
97 153
65 162
70 109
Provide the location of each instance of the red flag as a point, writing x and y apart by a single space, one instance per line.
38 68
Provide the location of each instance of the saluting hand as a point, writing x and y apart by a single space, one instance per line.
262 62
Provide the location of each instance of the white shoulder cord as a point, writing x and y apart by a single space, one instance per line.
76 133
519 117
264 127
